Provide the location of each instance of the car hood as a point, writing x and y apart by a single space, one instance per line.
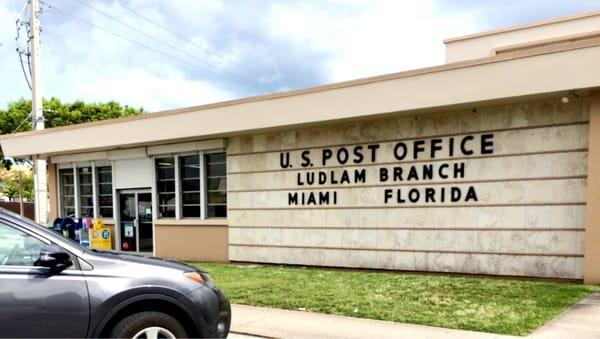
140 259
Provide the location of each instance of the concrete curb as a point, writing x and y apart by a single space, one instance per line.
277 323
582 320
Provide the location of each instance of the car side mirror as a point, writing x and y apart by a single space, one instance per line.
54 258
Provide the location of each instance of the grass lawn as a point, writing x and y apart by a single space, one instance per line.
504 306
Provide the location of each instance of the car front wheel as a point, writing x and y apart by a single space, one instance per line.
148 325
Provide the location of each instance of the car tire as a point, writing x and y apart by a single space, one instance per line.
135 324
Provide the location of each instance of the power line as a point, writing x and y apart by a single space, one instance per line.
159 40
19 23
20 13
21 124
166 29
60 11
23 68
27 119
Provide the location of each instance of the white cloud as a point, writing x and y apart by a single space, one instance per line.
272 45
373 38
83 62
140 88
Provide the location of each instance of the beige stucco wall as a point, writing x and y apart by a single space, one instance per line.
592 224
52 192
576 66
191 242
528 220
482 45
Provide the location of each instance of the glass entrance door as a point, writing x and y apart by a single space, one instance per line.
135 220
144 208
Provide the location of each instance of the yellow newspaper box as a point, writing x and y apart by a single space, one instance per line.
100 236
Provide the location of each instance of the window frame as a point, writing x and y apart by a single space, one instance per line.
178 189
207 191
156 193
60 190
201 186
74 170
97 191
79 172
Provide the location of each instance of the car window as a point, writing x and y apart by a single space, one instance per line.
48 233
18 248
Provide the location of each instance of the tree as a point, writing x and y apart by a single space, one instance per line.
16 118
10 190
11 181
56 113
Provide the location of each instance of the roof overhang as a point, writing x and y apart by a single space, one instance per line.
503 77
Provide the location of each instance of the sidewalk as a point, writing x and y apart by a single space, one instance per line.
580 321
277 323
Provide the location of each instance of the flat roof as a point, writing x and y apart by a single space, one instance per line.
523 26
522 73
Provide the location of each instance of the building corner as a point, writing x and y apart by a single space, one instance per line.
591 273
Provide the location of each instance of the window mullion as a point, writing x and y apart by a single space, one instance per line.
155 196
203 197
76 201
61 191
95 198
178 206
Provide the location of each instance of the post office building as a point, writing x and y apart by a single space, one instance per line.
486 164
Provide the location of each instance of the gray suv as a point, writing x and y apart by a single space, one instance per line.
52 287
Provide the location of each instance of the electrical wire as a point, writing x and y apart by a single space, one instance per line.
158 40
29 62
21 124
19 23
28 53
23 68
206 67
166 29
60 11
20 13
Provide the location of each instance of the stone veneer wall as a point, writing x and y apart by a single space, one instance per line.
528 220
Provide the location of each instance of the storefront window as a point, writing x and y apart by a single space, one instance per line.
80 202
216 181
67 192
192 185
189 174
105 202
165 173
86 193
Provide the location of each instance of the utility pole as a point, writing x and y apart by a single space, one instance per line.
37 116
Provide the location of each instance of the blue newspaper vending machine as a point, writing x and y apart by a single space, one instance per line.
76 229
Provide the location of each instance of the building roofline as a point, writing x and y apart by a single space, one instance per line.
270 96
326 87
522 26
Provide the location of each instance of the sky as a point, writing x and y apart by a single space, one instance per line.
160 54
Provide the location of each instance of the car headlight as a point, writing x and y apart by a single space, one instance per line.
195 276
199 277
